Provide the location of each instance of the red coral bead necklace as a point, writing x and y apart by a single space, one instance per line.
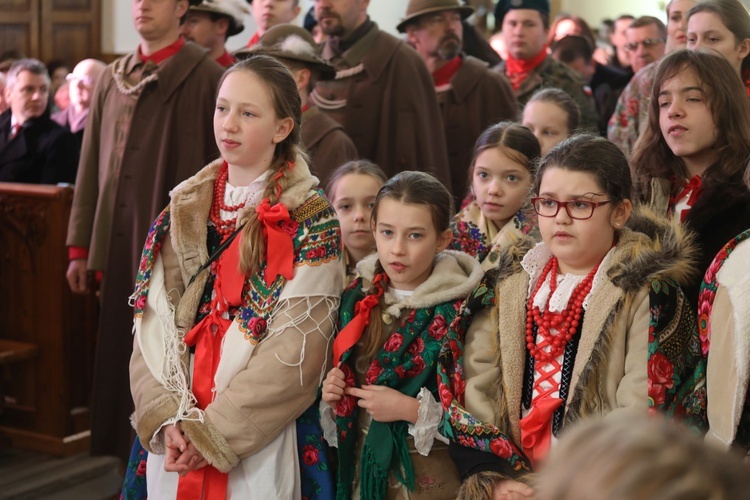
565 323
223 227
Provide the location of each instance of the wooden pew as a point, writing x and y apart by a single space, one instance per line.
47 334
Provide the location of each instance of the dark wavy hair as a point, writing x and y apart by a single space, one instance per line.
728 101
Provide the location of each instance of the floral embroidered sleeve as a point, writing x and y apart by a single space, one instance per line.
477 446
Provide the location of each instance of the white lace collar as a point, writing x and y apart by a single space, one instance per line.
533 263
250 194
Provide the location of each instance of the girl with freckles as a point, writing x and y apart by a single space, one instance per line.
379 402
235 304
690 160
589 322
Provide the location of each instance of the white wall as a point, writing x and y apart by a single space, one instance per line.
119 36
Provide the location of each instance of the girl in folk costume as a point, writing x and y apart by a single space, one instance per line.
589 322
393 319
235 304
552 115
501 174
352 189
724 326
690 159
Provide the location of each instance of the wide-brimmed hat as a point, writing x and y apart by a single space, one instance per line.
418 7
232 9
293 43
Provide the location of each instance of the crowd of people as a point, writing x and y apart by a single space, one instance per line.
380 267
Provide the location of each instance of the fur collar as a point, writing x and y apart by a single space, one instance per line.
191 203
454 276
651 246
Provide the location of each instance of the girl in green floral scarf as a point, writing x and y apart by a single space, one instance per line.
380 406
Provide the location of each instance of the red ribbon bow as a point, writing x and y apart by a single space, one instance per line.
352 332
536 432
279 247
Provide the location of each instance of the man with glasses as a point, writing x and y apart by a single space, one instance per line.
646 41
33 148
81 83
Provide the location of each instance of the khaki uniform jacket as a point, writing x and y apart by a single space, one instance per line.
391 112
552 73
478 98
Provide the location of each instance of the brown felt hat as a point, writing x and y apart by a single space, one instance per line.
292 43
417 8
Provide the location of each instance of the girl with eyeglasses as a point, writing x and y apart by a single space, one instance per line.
690 160
589 322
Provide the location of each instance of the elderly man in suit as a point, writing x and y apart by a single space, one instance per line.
33 148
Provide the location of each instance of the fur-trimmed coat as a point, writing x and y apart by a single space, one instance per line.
635 315
725 305
274 352
436 301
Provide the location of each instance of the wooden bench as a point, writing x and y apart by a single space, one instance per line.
12 351
47 333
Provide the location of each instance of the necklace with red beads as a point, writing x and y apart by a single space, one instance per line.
564 323
223 227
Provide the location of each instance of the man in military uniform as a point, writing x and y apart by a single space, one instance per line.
471 96
525 24
383 94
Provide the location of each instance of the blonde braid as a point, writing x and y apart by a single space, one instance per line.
375 334
253 247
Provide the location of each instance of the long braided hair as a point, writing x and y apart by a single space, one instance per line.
287 104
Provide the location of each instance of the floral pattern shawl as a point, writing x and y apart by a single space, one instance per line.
406 363
474 234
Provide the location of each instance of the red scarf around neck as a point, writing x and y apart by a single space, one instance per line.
444 75
517 70
162 54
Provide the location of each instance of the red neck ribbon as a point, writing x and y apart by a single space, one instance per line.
692 189
444 75
517 70
207 336
352 332
162 54
280 261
